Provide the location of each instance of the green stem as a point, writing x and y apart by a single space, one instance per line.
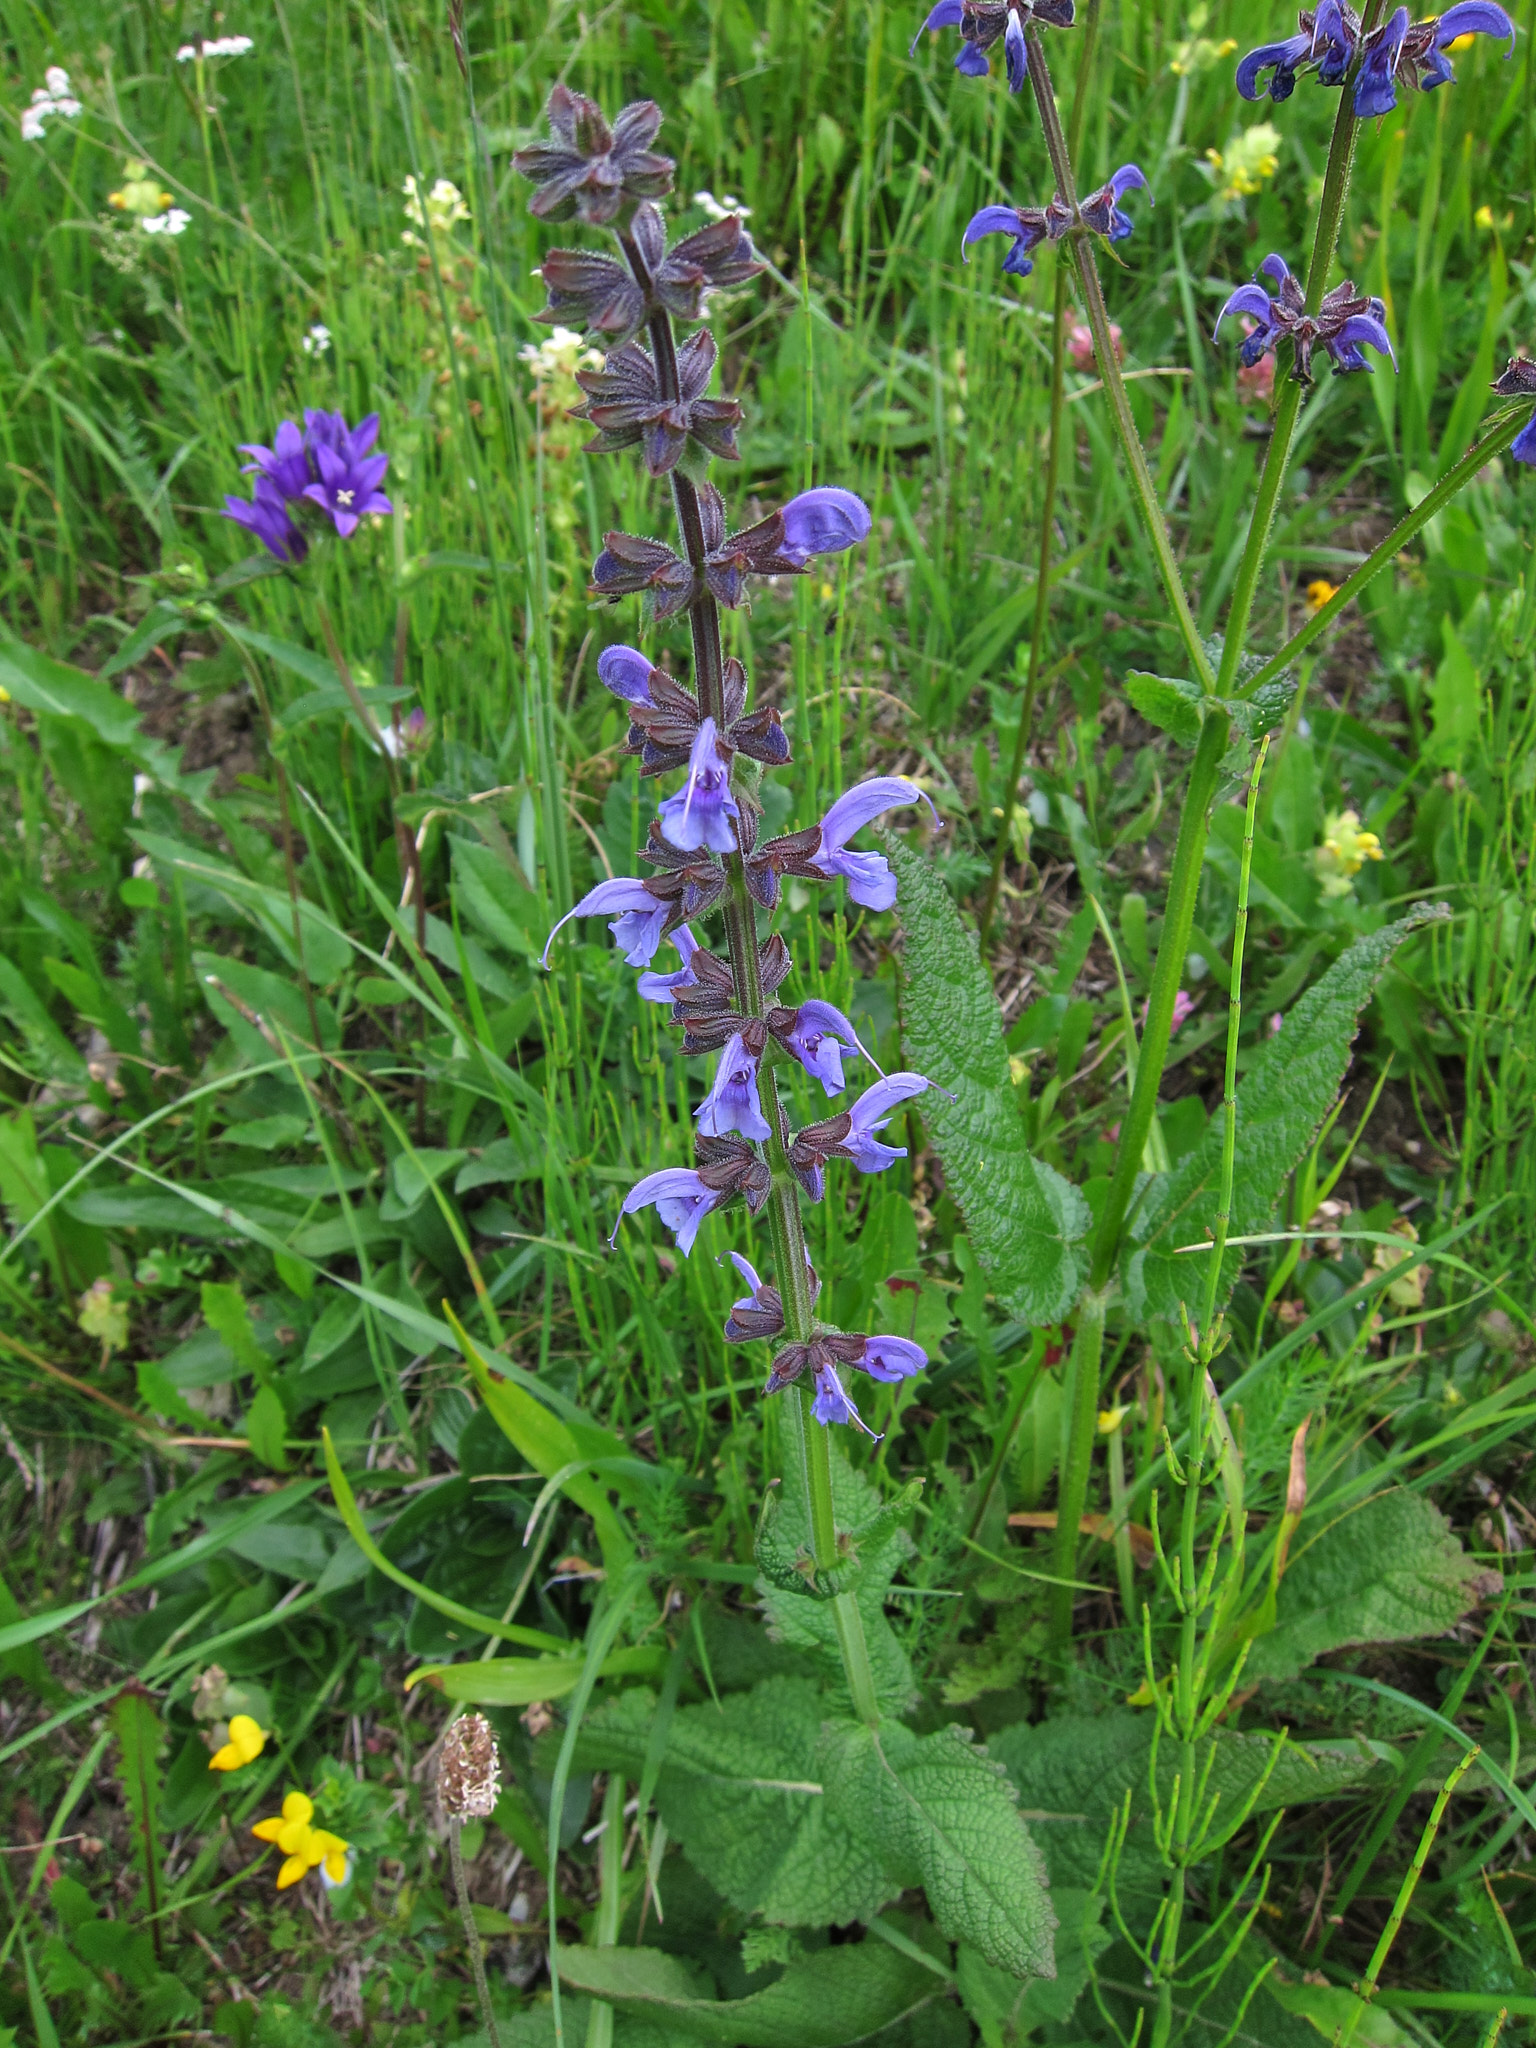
1080 1420
1387 551
1178 917
811 1439
1048 502
1234 1025
1109 366
471 1932
605 1932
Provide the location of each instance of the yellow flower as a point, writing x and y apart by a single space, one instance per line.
1344 851
1320 592
1110 1419
141 195
246 1742
303 1847
1248 162
1483 217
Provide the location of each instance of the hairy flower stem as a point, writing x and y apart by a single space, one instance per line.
1325 241
811 1445
1047 505
471 1932
1109 366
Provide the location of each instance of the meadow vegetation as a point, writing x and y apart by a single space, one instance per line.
1153 1667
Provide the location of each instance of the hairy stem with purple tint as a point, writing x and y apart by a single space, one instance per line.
808 1441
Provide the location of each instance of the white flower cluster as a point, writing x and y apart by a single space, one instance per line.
221 46
52 97
443 209
560 355
317 341
722 209
173 222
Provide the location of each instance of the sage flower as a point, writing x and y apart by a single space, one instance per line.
732 1102
662 988
854 1135
700 813
683 1196
1413 56
820 853
638 927
1029 226
818 1035
1343 324
624 402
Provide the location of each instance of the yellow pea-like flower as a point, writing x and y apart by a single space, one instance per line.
304 1847
1319 593
246 1742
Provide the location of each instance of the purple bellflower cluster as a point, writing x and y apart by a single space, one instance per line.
328 465
1398 52
1342 324
704 849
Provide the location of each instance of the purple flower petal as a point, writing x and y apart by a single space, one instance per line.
1248 298
699 814
627 672
1015 55
892 1358
659 988
1473 18
732 1103
832 1403
1129 178
991 220
821 1035
681 1200
971 63
946 15
1282 58
826 521
638 925
1367 328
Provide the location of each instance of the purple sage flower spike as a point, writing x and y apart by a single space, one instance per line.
872 1112
732 1103
661 988
638 927
285 464
265 514
700 813
868 875
681 1198
892 1359
818 1035
627 672
984 22
1101 210
348 477
825 521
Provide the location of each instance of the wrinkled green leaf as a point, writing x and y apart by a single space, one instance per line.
1026 1223
1281 1103
1007 2009
1173 706
743 1788
1385 1571
839 1995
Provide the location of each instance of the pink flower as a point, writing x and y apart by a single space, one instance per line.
1080 345
1183 1010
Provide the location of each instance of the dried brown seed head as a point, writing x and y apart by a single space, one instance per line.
469 1770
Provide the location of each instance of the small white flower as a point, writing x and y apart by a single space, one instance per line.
53 98
317 341
220 46
444 206
560 354
173 223
722 208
